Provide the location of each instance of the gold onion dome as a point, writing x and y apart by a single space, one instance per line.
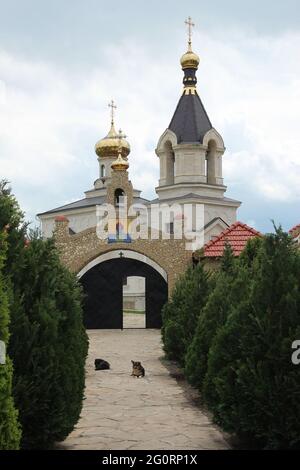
120 164
189 60
110 145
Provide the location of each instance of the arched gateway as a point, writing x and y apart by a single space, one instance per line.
102 281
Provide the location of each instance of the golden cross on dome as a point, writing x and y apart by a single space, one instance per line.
190 25
113 107
120 137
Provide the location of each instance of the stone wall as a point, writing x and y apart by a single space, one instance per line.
78 250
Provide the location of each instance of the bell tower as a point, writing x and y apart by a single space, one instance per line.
190 150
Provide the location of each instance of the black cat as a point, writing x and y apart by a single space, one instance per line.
101 364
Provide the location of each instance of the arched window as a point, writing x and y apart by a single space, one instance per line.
170 163
102 171
211 162
119 194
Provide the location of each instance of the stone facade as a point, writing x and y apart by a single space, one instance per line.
119 180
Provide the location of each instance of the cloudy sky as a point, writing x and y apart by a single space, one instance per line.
62 61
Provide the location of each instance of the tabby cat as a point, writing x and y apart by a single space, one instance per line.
137 369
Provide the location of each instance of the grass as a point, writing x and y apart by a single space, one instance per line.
136 312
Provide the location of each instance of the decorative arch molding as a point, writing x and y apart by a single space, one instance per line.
212 134
168 256
115 254
167 136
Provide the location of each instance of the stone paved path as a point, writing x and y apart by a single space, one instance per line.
122 412
134 320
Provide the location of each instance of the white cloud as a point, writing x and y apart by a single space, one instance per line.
51 117
258 90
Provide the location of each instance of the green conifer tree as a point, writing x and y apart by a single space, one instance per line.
181 313
213 316
12 220
48 346
252 386
10 432
48 343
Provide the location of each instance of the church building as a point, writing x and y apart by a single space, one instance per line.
190 153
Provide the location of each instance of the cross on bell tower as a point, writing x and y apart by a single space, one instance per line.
190 25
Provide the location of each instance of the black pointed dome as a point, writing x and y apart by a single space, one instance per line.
190 121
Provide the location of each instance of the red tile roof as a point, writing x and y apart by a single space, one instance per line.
61 218
237 235
295 231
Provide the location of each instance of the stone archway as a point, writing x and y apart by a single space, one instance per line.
102 281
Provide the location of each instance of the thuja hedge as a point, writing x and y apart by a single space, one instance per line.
243 365
48 343
9 426
180 314
231 286
256 387
213 314
48 346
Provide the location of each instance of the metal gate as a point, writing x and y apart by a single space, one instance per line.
103 289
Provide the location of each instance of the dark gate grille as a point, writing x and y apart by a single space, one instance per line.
103 288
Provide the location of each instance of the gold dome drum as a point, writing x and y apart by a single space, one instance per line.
112 145
120 164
